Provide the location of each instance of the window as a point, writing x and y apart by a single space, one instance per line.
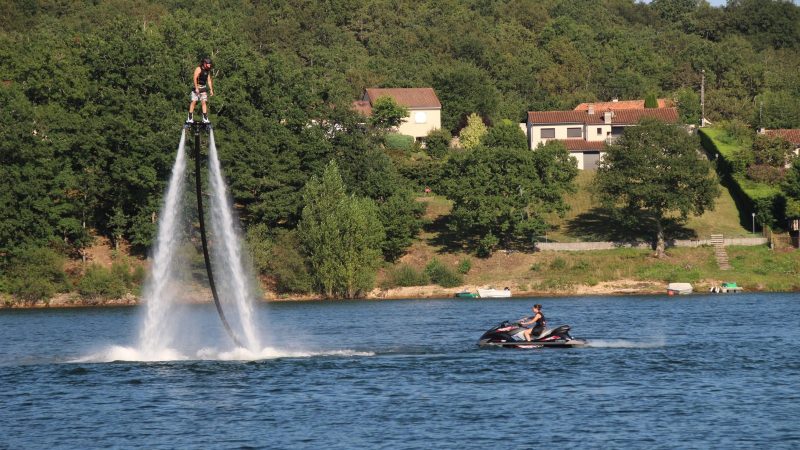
599 131
420 117
574 133
548 133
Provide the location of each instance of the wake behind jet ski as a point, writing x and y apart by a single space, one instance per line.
510 334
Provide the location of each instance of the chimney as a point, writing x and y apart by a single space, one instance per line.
591 109
607 117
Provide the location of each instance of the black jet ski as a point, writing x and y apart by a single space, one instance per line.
509 335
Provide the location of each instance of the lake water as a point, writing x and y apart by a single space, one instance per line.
689 372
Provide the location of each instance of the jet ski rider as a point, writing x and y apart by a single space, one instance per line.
538 322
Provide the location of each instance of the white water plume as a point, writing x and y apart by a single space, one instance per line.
120 353
235 280
160 290
622 343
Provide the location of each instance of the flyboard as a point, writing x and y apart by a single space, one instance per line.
197 128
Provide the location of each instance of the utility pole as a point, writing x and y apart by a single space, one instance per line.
703 98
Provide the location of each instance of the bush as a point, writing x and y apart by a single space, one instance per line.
763 173
443 275
405 275
558 264
464 266
36 274
437 143
287 265
741 159
400 142
487 245
736 132
100 282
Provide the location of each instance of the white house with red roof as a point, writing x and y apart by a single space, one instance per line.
585 131
424 108
792 135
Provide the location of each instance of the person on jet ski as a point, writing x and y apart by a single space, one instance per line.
538 322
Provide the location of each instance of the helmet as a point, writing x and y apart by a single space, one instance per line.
205 61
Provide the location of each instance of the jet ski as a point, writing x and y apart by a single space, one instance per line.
508 334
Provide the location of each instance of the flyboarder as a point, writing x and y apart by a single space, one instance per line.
202 89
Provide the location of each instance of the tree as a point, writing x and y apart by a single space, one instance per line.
502 195
650 101
387 113
437 143
791 187
506 134
471 135
655 170
341 236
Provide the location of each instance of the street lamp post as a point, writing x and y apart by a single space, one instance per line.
753 215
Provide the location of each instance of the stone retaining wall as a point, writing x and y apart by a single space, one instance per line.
587 246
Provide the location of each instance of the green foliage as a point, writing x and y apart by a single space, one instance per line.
442 275
472 135
506 134
736 132
772 151
287 265
655 169
36 273
791 186
651 101
387 113
487 245
437 143
341 236
399 142
464 266
102 282
688 102
558 264
405 275
506 193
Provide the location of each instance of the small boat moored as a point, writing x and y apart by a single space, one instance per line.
679 288
494 293
726 288
466 294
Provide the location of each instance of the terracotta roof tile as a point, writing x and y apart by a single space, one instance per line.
582 145
621 117
362 107
408 97
621 104
791 135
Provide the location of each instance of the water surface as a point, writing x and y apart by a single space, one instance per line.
689 372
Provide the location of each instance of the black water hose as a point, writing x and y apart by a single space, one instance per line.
196 128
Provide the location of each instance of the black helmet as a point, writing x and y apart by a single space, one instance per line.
205 61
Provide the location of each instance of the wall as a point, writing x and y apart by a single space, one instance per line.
586 246
420 130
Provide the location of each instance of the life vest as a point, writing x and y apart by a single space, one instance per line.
202 79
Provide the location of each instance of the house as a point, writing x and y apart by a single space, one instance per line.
585 132
791 135
616 105
424 108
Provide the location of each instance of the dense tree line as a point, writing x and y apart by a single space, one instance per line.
93 93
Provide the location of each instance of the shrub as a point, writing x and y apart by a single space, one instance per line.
741 159
763 173
535 267
443 275
464 266
437 143
287 265
487 245
558 264
36 274
650 101
405 275
736 132
100 282
400 142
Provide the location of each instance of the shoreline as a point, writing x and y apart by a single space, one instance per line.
611 288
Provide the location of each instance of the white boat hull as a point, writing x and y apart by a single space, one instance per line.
494 293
